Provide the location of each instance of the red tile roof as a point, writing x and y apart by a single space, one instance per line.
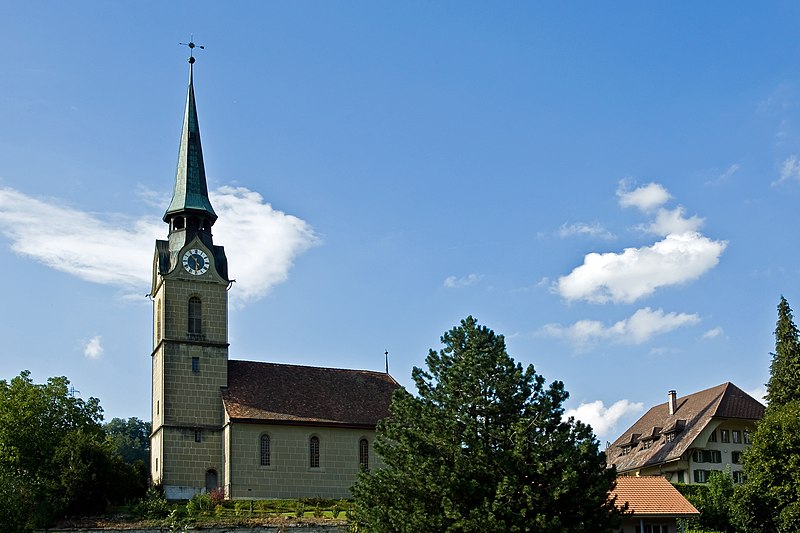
651 496
692 415
292 394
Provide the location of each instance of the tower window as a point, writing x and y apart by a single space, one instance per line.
195 364
363 453
158 322
195 322
198 435
264 450
314 452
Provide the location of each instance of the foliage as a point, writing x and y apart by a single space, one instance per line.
483 447
36 420
153 505
201 504
714 500
784 382
769 499
130 439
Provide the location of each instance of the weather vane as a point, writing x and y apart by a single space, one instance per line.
192 46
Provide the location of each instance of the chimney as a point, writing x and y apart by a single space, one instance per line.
673 402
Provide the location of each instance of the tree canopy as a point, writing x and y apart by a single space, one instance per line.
484 447
54 455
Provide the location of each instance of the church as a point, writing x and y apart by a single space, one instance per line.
257 430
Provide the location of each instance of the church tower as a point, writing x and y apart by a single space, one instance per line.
190 337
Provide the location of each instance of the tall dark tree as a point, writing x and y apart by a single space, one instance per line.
484 447
769 500
784 381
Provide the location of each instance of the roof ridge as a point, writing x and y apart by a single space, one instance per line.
308 366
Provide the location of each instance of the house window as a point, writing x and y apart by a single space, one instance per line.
738 476
669 437
713 436
736 458
707 456
264 450
156 464
681 477
724 435
158 406
701 476
647 444
195 322
363 453
626 449
746 437
195 364
313 449
737 436
198 435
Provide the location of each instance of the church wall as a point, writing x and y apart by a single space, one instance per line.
289 474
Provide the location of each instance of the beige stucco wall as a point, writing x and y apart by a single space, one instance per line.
289 474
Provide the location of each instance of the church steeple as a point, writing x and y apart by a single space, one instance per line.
190 208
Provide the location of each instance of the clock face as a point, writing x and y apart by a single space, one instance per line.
196 262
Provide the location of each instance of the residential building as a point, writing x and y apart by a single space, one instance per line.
687 438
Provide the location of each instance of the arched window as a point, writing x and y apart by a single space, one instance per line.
264 450
363 453
313 449
195 323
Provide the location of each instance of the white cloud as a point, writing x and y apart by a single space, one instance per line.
583 229
645 198
673 221
603 419
452 282
93 349
639 328
725 176
790 170
261 243
713 333
638 272
759 394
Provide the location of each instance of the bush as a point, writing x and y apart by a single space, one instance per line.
153 505
200 505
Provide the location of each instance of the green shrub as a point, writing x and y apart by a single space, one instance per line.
153 505
300 509
200 505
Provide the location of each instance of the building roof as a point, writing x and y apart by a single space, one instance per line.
692 415
191 191
651 496
291 394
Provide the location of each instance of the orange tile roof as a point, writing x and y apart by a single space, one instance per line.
652 496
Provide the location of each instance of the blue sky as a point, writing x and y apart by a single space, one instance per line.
614 187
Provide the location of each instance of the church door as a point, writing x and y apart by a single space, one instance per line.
211 480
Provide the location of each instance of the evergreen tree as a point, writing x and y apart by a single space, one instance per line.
784 381
484 448
769 500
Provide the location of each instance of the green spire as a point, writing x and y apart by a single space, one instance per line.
191 191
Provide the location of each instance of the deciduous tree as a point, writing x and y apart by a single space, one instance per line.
484 447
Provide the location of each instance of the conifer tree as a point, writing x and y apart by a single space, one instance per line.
784 381
484 447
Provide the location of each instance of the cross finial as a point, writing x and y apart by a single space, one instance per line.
192 46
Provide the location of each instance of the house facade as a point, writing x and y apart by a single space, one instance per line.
687 438
255 429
